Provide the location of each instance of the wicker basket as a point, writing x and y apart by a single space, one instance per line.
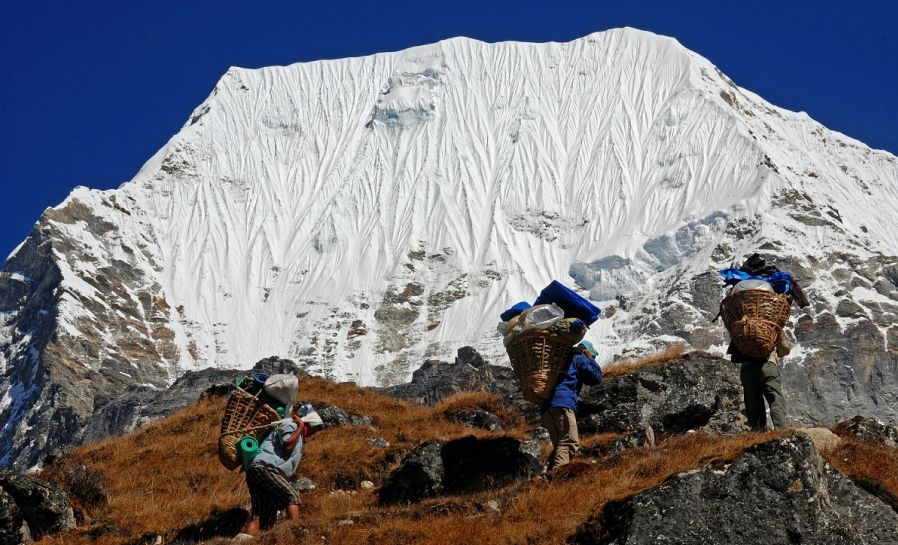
244 415
538 358
755 319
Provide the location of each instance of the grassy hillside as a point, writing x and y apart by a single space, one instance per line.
167 476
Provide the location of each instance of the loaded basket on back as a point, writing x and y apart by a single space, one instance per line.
754 313
248 417
539 340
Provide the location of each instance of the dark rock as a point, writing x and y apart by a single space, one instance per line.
220 524
419 476
462 465
140 405
57 455
484 420
436 380
469 355
780 491
845 370
870 430
102 529
540 434
44 507
304 484
849 309
11 521
697 392
475 464
334 416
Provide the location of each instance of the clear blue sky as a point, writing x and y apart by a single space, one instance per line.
91 89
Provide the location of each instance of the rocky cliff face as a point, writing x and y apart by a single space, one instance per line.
780 491
361 216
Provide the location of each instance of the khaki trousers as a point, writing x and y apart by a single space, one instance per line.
562 426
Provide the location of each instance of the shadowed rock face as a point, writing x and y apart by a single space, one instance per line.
775 492
463 465
44 507
697 392
140 405
437 380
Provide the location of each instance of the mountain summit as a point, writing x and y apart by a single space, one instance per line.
361 215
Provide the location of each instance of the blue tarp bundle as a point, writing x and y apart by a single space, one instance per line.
573 305
514 311
780 281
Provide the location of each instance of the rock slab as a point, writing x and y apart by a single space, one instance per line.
780 491
699 391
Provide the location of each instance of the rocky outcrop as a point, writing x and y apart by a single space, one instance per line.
780 491
44 507
870 430
700 391
475 418
55 356
461 465
140 405
436 380
225 523
12 524
334 416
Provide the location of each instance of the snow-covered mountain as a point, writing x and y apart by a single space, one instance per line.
361 215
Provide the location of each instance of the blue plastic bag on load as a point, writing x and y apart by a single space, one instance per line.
781 281
574 306
514 311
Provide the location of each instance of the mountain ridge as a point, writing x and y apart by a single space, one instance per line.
364 214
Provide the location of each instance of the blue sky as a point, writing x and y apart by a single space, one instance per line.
91 89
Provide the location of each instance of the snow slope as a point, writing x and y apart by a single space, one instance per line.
360 215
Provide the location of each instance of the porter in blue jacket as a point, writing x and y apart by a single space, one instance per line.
558 414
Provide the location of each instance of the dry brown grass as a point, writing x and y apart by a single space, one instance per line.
626 366
167 476
875 467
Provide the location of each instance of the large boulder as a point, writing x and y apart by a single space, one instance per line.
420 475
334 416
780 491
44 507
11 521
870 430
698 391
462 465
436 380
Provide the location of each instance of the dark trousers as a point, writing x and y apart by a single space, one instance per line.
761 381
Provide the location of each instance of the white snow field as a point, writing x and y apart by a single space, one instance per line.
360 215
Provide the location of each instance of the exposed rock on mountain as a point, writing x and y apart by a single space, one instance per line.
140 405
44 508
870 430
334 416
436 380
780 491
461 465
360 216
700 391
13 530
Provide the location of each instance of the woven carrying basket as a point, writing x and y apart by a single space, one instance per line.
755 319
244 415
538 358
